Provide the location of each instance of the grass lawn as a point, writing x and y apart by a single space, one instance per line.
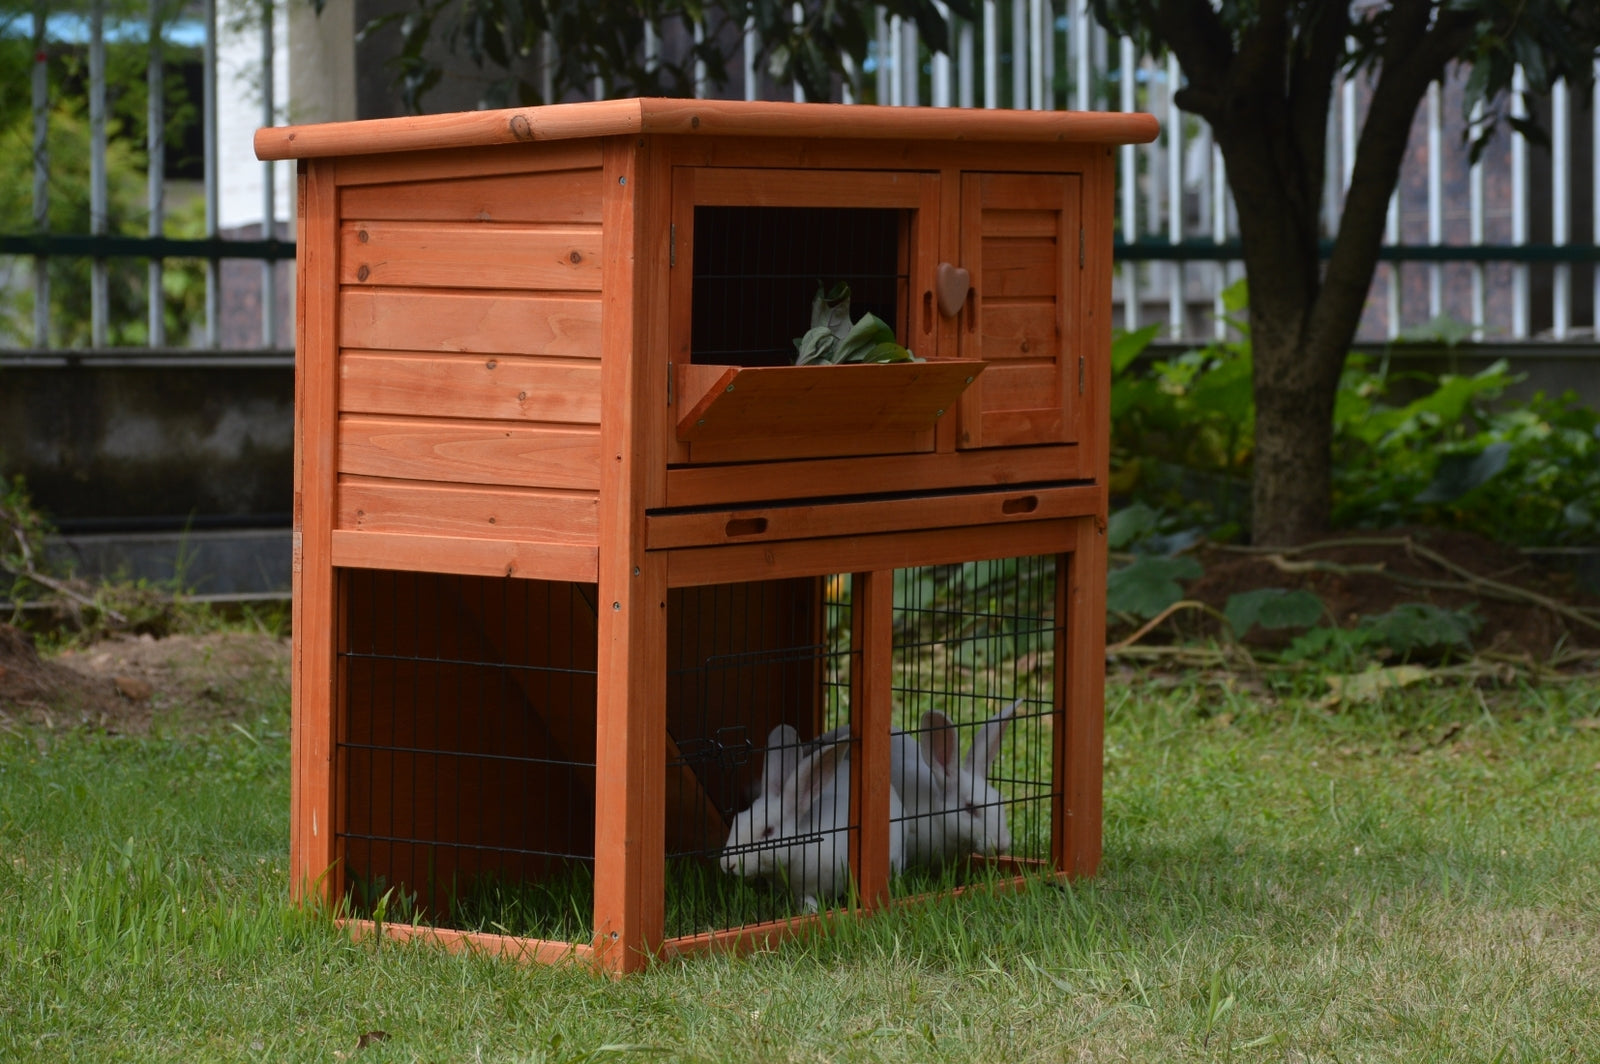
1415 881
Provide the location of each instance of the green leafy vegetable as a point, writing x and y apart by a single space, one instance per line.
832 340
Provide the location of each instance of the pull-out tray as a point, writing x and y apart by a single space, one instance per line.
729 403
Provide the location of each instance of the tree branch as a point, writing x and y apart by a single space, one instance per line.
1311 72
1204 48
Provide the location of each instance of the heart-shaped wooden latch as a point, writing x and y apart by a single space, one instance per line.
952 284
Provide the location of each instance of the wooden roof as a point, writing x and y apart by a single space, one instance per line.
735 118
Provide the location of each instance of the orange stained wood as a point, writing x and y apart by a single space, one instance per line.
1080 700
426 509
752 524
470 386
510 947
728 485
941 546
724 403
312 872
470 452
872 696
1020 238
400 165
630 830
490 323
467 557
765 187
450 255
701 118
557 196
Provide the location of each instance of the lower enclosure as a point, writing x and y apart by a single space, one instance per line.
465 773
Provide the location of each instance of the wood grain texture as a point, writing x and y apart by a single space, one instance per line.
511 947
501 323
496 387
730 485
313 873
764 524
872 707
421 509
399 166
730 402
691 566
470 452
630 833
1080 701
448 255
570 197
810 187
468 557
699 118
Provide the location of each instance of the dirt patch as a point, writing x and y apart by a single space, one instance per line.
122 685
1368 576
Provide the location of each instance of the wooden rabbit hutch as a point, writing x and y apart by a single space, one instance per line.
572 535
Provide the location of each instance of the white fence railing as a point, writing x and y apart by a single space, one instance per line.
1495 245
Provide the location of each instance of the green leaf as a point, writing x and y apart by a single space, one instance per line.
865 335
1273 607
1130 524
1458 474
1149 584
1127 346
818 346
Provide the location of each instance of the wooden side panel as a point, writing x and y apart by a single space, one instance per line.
313 872
470 452
470 386
1020 239
425 509
499 323
570 196
447 255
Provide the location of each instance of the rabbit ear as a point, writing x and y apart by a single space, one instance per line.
783 753
815 772
986 744
939 741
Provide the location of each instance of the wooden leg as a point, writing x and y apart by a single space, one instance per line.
1080 701
872 707
630 769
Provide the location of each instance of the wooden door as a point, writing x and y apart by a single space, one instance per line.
1022 242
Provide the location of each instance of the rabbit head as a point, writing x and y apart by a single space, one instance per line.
754 834
977 809
815 845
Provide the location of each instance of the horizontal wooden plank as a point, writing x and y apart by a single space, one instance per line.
728 485
695 566
730 186
699 118
1028 330
503 323
1008 386
801 402
1039 223
470 452
762 524
470 557
537 950
1020 266
562 197
1014 192
818 445
470 386
518 514
1012 428
394 164
448 255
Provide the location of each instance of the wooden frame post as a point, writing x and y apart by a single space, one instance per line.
312 799
872 707
1079 723
631 729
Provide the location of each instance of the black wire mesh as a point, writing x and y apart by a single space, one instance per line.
466 751
756 271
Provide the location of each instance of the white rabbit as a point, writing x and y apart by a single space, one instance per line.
750 849
976 812
799 823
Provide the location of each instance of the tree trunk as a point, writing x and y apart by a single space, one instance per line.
1290 496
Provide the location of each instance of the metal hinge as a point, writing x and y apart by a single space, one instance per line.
1080 374
672 245
1080 247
